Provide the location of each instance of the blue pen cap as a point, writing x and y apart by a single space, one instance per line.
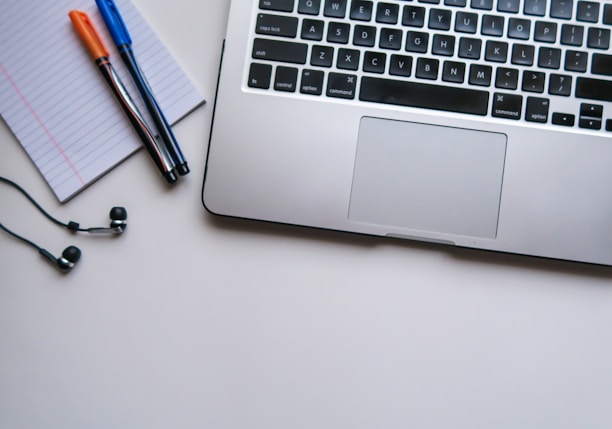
114 22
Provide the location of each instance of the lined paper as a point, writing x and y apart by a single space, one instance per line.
56 102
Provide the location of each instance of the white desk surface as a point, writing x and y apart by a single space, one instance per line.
190 321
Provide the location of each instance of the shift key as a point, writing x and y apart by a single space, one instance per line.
277 50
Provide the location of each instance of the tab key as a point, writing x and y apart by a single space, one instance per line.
278 5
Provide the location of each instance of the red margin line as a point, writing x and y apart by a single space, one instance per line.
42 125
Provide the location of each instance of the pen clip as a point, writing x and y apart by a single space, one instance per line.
114 22
88 33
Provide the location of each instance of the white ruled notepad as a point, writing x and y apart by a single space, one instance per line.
57 103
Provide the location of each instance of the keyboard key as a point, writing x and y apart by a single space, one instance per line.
274 25
607 15
341 85
598 38
312 29
335 8
561 9
456 3
374 62
424 95
443 45
482 4
322 56
590 123
602 64
576 61
364 35
588 11
277 50
496 51
537 109
401 65
466 22
414 16
309 7
387 13
470 48
523 54
519 28
545 32
260 75
348 59
453 71
338 32
285 79
594 89
511 6
564 119
506 78
390 38
440 19
535 7
417 41
533 81
312 82
492 25
279 5
427 68
480 75
549 58
361 10
560 85
591 110
572 35
507 106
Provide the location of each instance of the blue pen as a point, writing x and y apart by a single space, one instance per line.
122 39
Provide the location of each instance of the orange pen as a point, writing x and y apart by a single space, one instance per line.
92 40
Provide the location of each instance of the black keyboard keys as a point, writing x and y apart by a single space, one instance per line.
602 64
508 106
428 96
279 5
594 89
340 85
277 50
537 109
274 25
259 76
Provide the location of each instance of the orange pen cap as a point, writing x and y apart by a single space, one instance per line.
88 34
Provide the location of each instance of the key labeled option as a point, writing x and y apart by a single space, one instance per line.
537 109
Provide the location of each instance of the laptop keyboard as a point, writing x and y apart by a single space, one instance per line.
539 61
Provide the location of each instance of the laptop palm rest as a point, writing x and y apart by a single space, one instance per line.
428 178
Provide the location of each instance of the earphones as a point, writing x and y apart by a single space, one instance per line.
71 254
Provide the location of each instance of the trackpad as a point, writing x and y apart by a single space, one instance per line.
428 177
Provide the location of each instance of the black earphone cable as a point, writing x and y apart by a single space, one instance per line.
19 237
72 226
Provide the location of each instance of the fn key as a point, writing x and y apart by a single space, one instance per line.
259 76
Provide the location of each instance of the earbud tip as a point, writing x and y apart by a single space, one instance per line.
118 213
72 254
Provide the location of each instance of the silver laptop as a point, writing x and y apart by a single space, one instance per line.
475 123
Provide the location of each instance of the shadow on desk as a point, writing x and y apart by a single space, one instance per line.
474 256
